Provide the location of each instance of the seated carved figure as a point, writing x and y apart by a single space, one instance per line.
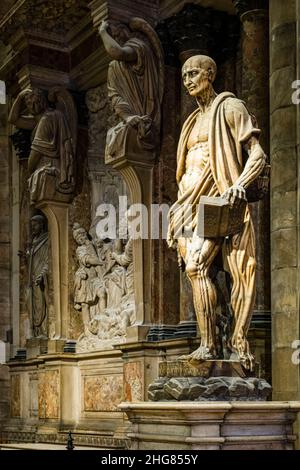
51 162
135 85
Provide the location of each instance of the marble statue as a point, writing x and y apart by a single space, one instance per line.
88 288
135 84
218 155
51 162
37 295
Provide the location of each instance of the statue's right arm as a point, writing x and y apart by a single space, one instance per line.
114 50
15 117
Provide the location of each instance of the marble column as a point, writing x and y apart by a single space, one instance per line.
285 197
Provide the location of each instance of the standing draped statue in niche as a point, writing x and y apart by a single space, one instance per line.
37 292
135 85
218 155
51 162
88 289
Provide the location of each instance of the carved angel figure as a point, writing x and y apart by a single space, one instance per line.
52 158
135 84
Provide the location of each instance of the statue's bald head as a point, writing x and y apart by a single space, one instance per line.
201 61
198 74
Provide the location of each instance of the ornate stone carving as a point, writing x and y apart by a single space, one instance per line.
37 293
218 155
100 117
51 161
135 86
54 17
104 290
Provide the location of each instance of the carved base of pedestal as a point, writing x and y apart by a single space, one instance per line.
35 347
208 381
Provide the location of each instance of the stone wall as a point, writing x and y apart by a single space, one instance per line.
4 258
285 217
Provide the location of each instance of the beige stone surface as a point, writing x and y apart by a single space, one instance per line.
284 295
284 248
282 12
15 396
102 393
49 394
212 426
283 42
283 127
133 381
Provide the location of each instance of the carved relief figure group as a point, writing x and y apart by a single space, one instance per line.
103 288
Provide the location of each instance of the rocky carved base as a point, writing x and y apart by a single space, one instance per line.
212 389
207 381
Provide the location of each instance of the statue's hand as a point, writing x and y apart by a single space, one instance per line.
103 27
133 121
39 280
234 194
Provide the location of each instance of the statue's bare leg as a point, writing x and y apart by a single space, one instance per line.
205 298
240 251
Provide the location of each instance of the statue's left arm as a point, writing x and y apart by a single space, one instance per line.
247 135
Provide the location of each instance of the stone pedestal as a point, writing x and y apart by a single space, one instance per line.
206 381
212 426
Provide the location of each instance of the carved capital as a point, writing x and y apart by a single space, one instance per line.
244 6
198 30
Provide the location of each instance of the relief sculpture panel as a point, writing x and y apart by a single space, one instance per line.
103 289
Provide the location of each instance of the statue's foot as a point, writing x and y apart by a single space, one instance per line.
247 360
199 355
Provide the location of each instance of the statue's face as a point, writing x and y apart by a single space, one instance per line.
34 102
36 227
196 76
81 237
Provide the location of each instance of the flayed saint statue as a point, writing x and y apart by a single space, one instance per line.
218 155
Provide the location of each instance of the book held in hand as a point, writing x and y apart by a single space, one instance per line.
217 218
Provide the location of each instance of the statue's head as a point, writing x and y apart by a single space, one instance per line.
38 225
80 235
120 32
198 74
36 101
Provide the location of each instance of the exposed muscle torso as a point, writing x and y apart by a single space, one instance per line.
198 153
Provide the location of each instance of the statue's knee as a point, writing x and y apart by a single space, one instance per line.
191 269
